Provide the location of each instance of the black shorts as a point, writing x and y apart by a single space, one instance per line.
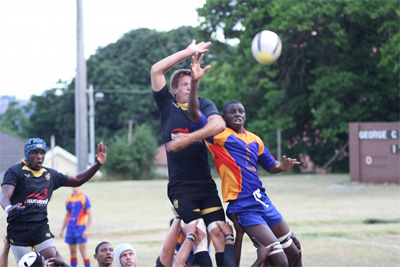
194 199
28 233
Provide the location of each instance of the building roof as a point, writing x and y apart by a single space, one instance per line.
11 151
63 161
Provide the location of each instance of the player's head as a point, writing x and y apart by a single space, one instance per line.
180 85
234 115
104 254
125 255
31 259
33 144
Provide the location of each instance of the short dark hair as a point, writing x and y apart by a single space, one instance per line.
96 251
178 74
229 103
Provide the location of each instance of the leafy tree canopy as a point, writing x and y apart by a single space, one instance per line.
339 64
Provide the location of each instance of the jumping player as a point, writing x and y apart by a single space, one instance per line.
236 154
78 208
191 188
25 192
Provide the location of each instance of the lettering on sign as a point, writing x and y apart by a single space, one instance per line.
395 149
378 134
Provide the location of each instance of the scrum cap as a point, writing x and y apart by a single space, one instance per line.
121 249
33 144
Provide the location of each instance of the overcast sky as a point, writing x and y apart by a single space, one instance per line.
38 38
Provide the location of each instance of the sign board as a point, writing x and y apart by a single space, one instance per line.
374 152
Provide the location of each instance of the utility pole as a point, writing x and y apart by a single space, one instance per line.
81 124
278 138
130 127
91 124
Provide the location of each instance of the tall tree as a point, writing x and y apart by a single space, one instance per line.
339 64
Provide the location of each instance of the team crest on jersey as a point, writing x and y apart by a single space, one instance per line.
48 235
27 175
47 176
176 204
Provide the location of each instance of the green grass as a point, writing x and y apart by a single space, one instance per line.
327 213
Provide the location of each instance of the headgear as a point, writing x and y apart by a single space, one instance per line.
121 249
31 259
33 144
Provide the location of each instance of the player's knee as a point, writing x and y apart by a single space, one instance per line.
213 226
203 243
286 240
217 236
292 253
277 256
276 248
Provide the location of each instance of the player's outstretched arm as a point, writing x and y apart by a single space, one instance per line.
214 126
158 70
168 250
285 164
196 74
85 176
192 238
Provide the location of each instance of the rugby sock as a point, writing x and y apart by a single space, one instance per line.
219 258
74 262
229 255
87 262
202 259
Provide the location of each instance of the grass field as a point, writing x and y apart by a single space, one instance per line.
327 213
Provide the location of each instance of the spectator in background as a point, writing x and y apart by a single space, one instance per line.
125 255
78 208
104 254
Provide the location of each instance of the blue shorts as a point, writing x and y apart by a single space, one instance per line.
254 210
74 235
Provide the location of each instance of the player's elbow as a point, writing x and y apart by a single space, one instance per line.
220 125
195 116
156 69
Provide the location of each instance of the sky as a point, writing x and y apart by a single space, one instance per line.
38 38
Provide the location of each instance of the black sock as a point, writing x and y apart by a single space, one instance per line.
202 259
219 258
229 256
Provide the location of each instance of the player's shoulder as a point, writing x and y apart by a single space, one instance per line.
205 100
15 169
253 136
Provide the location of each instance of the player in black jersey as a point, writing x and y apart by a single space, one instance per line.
191 188
26 189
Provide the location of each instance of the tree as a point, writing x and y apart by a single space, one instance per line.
339 64
54 115
134 160
15 119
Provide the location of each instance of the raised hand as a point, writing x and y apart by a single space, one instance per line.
200 47
196 71
101 153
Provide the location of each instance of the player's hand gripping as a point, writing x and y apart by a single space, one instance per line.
16 208
262 252
180 141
